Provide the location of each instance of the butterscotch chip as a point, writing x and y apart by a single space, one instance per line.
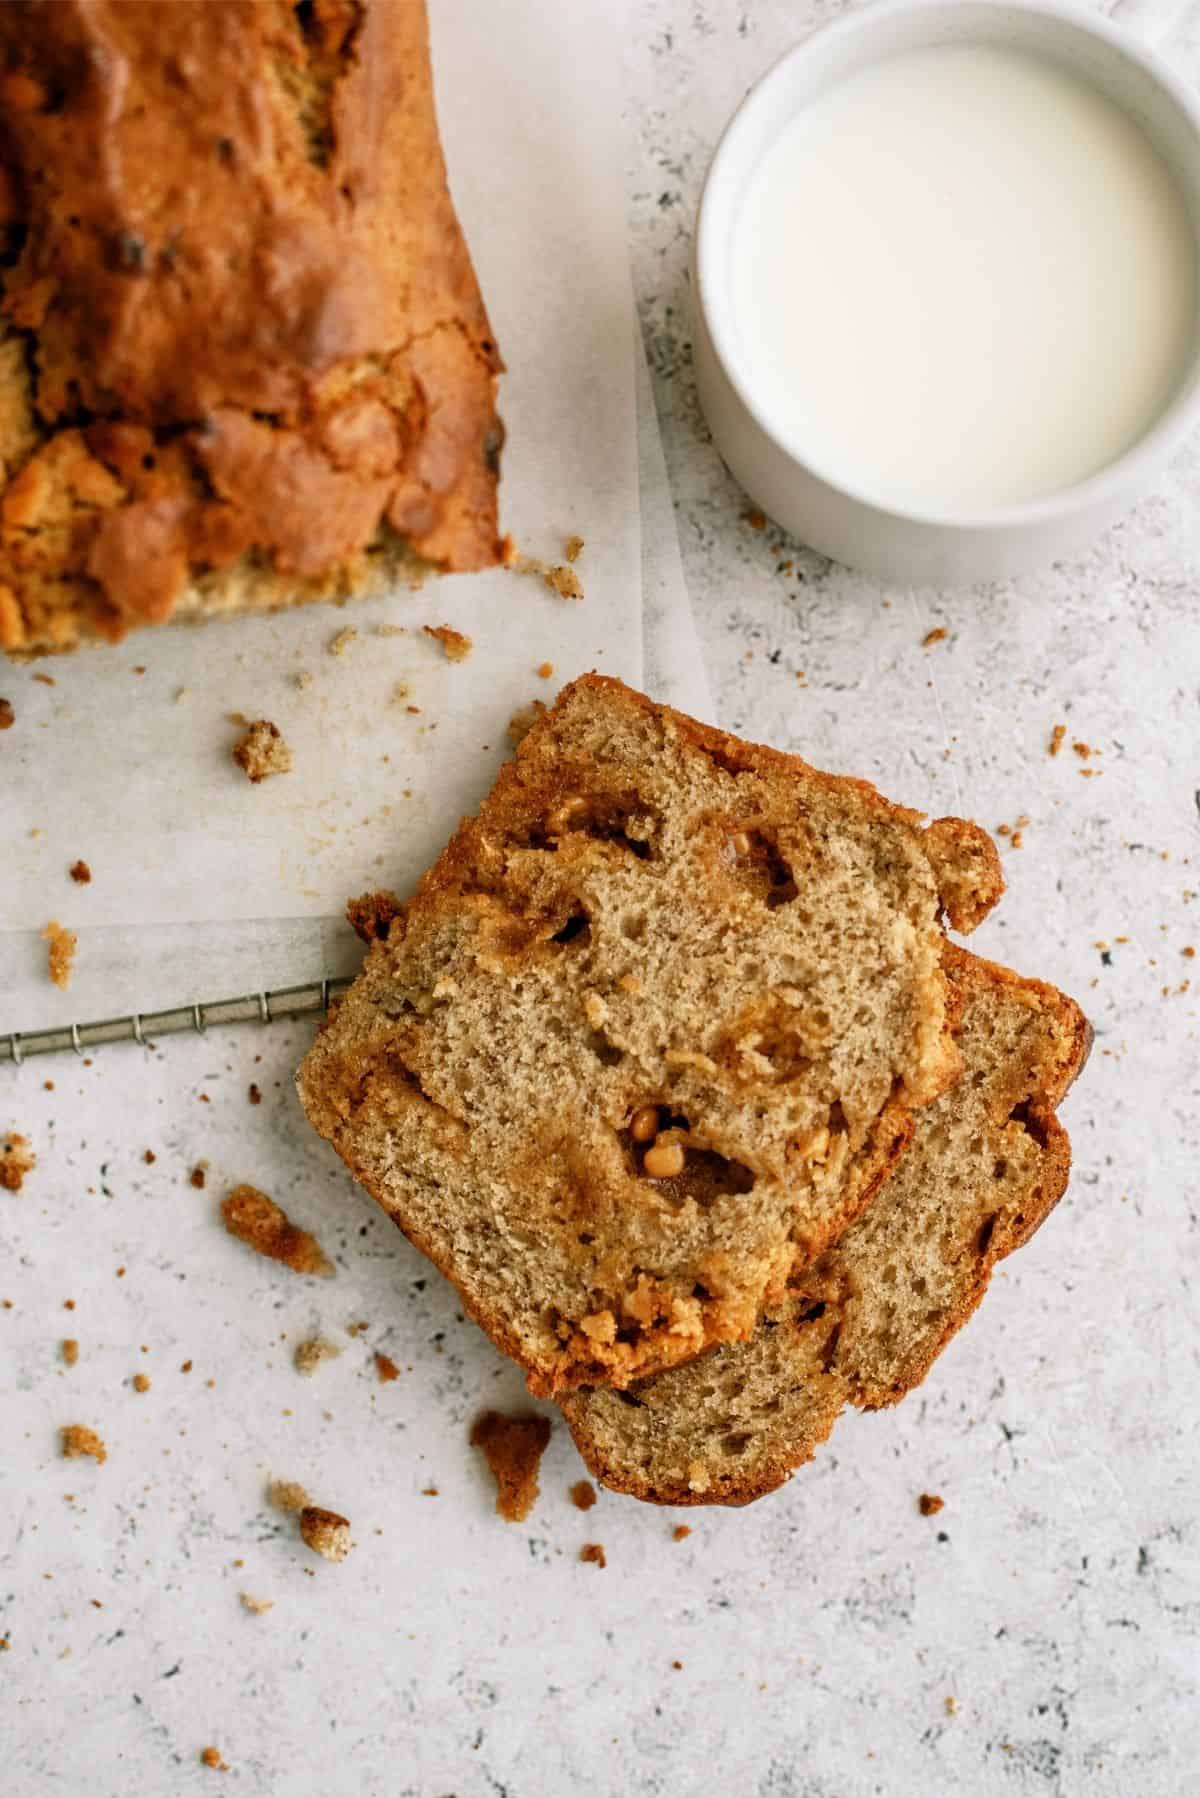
583 1495
78 1440
311 1354
386 1368
60 955
69 1350
81 874
513 1449
455 646
263 1226
929 1504
287 1495
16 1160
325 1532
262 751
594 1552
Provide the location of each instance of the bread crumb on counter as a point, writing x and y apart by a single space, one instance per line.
81 874
929 1504
583 1495
211 1757
573 548
287 1495
264 1227
594 1552
513 1448
69 1350
560 577
7 716
1057 738
141 1382
60 953
257 1607
199 1175
340 644
545 670
78 1441
17 1159
455 646
937 635
681 1532
386 1369
313 1354
325 1532
262 751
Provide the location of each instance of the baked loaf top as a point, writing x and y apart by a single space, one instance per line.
649 1033
987 1162
242 334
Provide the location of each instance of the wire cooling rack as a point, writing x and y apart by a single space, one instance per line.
144 1026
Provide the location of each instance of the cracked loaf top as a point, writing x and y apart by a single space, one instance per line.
243 358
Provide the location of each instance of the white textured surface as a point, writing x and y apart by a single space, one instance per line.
1057 1596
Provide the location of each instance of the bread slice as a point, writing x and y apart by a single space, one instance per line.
651 1034
244 361
863 1326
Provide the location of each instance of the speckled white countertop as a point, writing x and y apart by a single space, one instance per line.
823 1633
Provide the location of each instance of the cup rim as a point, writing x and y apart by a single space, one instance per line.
1108 484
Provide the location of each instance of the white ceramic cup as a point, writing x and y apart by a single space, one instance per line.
915 547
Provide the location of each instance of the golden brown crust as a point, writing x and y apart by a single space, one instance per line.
259 340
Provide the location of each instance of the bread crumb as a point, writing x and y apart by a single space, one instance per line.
681 1532
429 1492
545 670
391 630
257 1607
287 1495
455 646
69 1349
325 1532
253 1094
1057 736
199 1175
16 1160
262 751
149 1157
1188 950
564 581
937 635
755 519
304 680
1084 750
583 1495
141 1382
81 874
341 643
263 1226
523 721
211 1757
952 1707
929 1504
513 1449
60 956
78 1440
372 915
594 1552
7 716
357 1329
386 1369
311 1354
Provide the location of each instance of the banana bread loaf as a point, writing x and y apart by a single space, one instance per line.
244 361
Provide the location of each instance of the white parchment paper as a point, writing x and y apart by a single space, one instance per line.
131 770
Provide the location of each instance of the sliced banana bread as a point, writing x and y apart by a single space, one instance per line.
988 1161
649 1034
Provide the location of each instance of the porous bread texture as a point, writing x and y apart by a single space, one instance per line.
244 361
988 1161
646 917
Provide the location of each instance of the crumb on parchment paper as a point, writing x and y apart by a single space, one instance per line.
937 635
341 643
261 751
929 1504
78 1440
513 1449
60 953
1057 737
264 1227
325 1532
69 1349
681 1532
455 646
7 716
80 873
386 1369
257 1607
211 1757
573 548
287 1495
17 1159
141 1382
583 1495
594 1552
